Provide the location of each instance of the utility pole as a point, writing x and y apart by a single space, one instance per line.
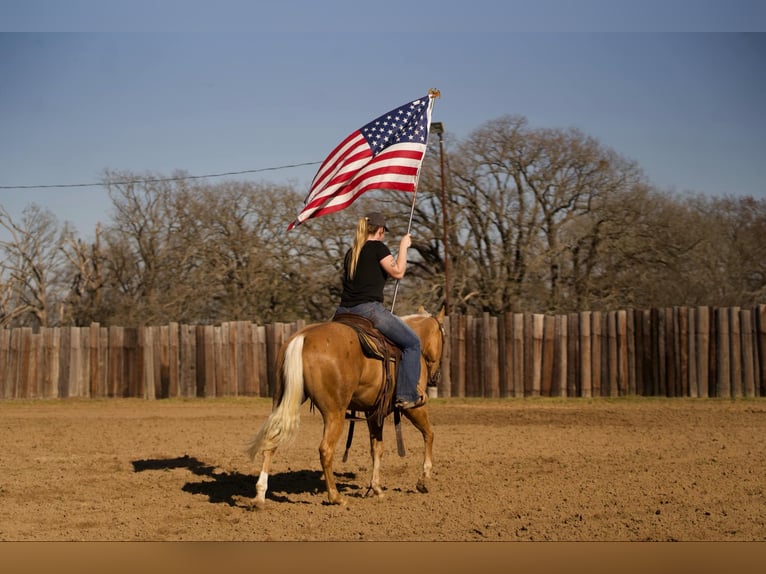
438 128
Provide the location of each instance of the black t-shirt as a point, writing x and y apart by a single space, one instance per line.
370 278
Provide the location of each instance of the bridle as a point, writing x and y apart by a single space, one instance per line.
435 376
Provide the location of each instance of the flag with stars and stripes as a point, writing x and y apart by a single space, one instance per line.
384 154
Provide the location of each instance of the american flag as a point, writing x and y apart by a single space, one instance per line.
384 154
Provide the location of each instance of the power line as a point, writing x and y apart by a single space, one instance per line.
157 180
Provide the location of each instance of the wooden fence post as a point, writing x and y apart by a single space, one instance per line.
15 363
219 376
163 356
661 350
157 361
538 322
760 312
65 356
273 340
735 352
24 362
671 361
94 340
238 356
472 382
723 381
630 334
653 357
146 352
560 349
519 353
262 364
638 352
459 357
682 330
691 354
201 360
703 351
549 333
188 355
504 353
35 373
133 372
51 352
242 355
156 375
588 353
748 359
595 341
249 383
490 357
622 352
228 357
84 360
174 360
613 367
445 383
574 360
5 355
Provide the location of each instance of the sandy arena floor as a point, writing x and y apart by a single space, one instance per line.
507 470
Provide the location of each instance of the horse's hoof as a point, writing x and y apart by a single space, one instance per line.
259 504
422 486
372 491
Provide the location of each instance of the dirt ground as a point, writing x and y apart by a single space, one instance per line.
506 470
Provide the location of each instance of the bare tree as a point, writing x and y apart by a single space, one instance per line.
193 252
31 269
139 248
88 299
544 220
656 249
521 201
247 256
729 264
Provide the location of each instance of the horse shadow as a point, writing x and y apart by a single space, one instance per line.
238 489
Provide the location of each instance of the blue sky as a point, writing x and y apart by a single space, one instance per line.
155 87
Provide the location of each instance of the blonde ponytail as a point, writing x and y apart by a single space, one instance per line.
359 240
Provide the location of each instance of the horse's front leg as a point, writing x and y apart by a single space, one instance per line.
376 451
419 418
333 427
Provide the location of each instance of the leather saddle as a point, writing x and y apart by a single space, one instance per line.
376 345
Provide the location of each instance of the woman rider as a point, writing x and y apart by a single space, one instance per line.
366 267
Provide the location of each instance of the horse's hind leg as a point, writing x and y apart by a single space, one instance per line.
263 480
333 427
376 451
419 418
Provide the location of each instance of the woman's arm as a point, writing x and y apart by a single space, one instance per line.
396 267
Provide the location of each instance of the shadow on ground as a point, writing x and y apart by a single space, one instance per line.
236 489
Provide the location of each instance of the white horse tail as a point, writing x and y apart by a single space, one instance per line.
282 424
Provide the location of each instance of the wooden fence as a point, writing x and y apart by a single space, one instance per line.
673 352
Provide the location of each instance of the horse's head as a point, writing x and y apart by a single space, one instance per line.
431 333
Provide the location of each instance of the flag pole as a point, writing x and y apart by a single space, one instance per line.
433 93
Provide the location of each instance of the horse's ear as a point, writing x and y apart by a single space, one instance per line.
440 316
421 310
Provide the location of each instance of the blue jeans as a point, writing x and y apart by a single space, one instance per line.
400 333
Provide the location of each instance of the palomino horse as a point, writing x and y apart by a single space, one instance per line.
325 363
